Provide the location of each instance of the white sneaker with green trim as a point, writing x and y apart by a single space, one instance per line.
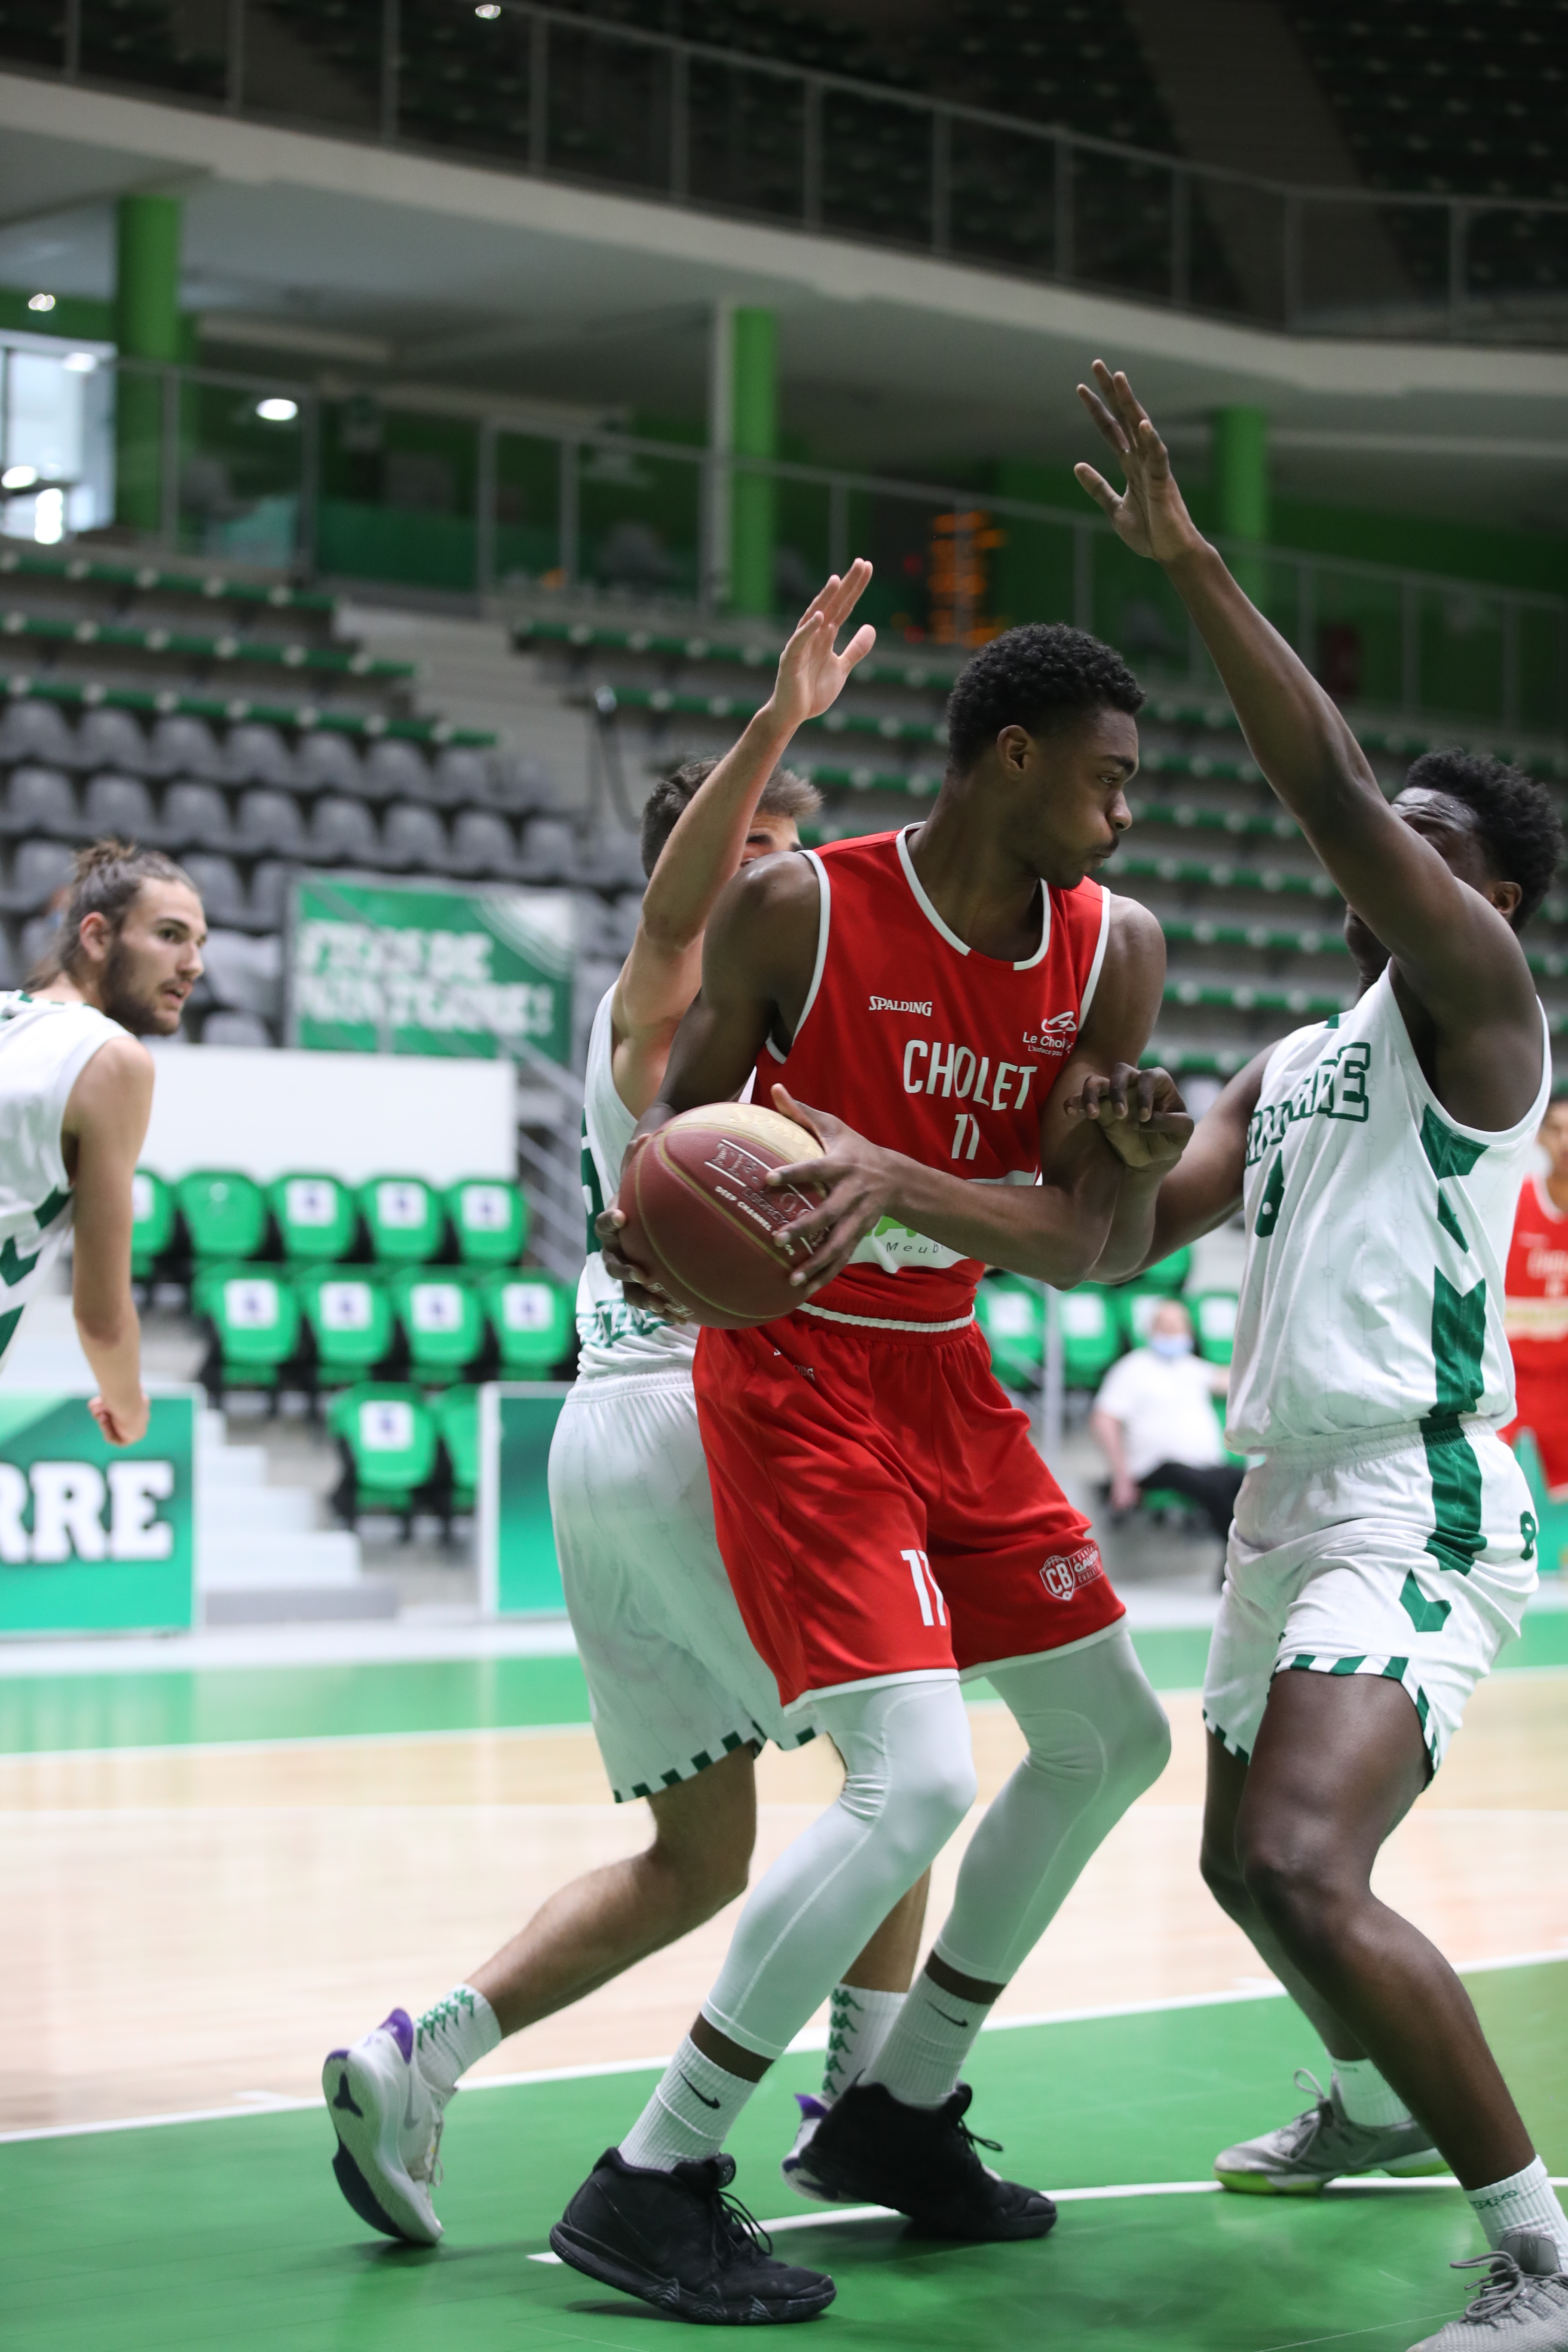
1320 2145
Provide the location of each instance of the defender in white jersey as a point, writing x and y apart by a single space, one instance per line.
76 1090
1383 1547
680 1700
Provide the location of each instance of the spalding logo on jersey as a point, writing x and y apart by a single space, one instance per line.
1065 1575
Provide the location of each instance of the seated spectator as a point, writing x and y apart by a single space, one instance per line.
1154 1422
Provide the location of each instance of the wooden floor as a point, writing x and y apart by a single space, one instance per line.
192 1929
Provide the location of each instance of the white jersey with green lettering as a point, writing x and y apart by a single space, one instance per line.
1378 1230
612 1337
44 1047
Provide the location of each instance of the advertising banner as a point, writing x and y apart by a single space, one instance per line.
378 966
95 1537
518 1570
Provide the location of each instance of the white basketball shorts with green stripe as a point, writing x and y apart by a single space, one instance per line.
1409 1553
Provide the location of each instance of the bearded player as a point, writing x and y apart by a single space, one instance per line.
680 1700
76 1093
1383 1548
887 1523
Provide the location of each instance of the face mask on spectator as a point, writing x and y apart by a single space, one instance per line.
1171 1343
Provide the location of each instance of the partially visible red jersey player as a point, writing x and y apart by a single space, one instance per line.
1536 1309
926 1002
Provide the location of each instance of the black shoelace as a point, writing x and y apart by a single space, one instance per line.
736 2230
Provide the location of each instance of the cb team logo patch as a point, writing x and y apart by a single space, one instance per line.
1070 1571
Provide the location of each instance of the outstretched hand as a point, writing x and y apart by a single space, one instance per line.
811 674
1140 1113
1151 515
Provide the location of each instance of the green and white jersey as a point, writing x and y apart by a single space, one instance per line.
612 1337
1378 1229
44 1047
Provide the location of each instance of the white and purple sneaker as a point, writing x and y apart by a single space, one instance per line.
797 2166
388 2122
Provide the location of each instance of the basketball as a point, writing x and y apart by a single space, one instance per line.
699 1218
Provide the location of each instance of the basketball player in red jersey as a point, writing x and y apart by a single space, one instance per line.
886 1524
1537 1303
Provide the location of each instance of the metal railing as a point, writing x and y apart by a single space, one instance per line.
542 90
208 464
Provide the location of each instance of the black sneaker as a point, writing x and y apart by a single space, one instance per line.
873 2149
677 2240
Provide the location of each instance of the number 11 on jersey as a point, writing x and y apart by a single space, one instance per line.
928 1591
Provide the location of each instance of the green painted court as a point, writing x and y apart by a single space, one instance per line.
231 2233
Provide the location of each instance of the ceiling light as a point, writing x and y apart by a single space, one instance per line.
18 477
278 411
40 301
78 363
488 9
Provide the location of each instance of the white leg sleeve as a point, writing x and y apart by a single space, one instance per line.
909 1781
1098 1737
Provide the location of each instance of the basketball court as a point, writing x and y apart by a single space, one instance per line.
193 1921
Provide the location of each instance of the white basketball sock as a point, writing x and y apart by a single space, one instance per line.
859 2023
1526 2201
690 2114
1365 2098
931 2036
453 2036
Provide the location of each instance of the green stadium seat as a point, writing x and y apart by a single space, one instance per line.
489 1220
457 1419
255 1316
316 1216
387 1436
443 1321
1169 1276
1091 1335
225 1214
405 1218
530 1314
1012 1318
1213 1323
350 1319
151 1221
1135 1305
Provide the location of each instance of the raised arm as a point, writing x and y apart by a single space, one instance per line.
1452 948
659 977
104 1128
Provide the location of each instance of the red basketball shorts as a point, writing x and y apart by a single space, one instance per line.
1542 1407
881 1508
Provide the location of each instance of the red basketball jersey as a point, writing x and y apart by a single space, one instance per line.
933 1050
1536 1307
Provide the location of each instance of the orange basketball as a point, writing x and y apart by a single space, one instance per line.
699 1219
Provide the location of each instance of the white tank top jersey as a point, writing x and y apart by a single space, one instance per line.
612 1337
1377 1233
44 1047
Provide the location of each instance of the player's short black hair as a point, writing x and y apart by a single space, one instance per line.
1040 677
783 794
1517 818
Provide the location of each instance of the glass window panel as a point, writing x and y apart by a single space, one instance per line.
638 517
463 80
1003 202
240 472
33 32
1373 269
609 108
1121 224
1517 266
315 60
876 168
528 509
747 139
178 45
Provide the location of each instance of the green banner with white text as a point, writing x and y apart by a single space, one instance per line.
95 1537
413 968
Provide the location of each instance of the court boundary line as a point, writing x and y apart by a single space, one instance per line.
267 2103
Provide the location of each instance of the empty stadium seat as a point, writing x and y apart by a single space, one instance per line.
329 762
1168 1274
461 776
1091 1335
112 739
1135 1305
218 886
532 1315
1213 1323
37 871
457 1413
38 731
1012 1318
35 939
196 816
121 805
414 839
41 800
343 830
387 1436
489 1220
255 1319
482 845
225 1214
317 1217
254 754
270 879
443 1323
350 1319
151 1221
404 1218
396 770
184 746
270 819
548 850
